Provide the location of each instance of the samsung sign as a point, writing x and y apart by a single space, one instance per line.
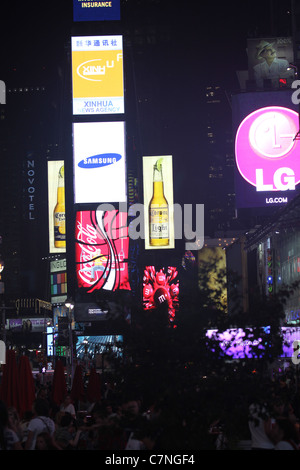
96 11
267 155
99 162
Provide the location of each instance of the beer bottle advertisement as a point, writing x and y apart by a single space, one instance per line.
158 202
56 207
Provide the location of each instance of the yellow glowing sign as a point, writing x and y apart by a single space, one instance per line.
97 75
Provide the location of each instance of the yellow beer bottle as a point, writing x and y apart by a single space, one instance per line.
158 210
60 213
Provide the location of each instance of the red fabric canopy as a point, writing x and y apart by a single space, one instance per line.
59 386
10 381
27 388
94 387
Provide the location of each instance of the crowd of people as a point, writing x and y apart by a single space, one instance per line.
117 425
100 426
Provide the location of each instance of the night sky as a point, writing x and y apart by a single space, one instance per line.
208 44
218 29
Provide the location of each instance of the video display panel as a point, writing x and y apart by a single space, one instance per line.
101 250
56 207
99 162
97 75
267 171
269 59
238 343
158 202
161 288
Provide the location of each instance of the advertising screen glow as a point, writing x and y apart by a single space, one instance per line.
101 250
99 162
56 207
97 75
161 287
158 202
267 153
96 11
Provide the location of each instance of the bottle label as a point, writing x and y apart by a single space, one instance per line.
59 226
159 222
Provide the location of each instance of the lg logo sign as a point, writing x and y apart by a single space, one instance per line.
267 153
2 92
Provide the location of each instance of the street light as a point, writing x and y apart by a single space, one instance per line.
69 304
2 264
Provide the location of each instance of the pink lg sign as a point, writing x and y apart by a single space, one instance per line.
267 153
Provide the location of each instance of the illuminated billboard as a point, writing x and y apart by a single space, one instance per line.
99 162
101 250
266 150
97 75
238 343
269 59
158 202
56 207
58 281
161 288
96 11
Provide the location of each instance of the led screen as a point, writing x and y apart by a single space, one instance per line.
96 11
99 162
97 75
267 165
58 281
269 59
158 202
56 207
93 345
161 287
101 250
237 343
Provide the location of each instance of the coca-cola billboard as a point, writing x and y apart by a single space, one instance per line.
101 250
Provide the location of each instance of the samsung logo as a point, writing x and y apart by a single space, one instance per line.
97 161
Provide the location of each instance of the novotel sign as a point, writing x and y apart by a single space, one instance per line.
267 153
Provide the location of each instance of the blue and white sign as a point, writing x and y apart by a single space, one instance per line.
96 11
99 162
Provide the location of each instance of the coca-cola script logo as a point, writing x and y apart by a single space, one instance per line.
161 287
101 250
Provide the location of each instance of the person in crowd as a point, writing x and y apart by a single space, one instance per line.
45 442
260 426
27 416
9 440
285 435
67 435
39 423
68 407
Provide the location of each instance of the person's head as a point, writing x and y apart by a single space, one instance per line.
66 420
265 50
67 400
41 407
13 415
133 408
43 441
284 430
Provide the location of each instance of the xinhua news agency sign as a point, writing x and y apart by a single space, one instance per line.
96 11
